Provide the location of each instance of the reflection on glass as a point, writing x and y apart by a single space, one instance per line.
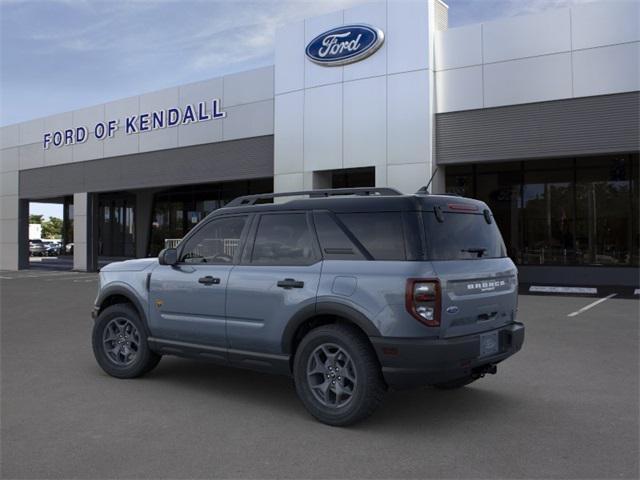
499 187
580 211
116 228
548 227
604 233
178 210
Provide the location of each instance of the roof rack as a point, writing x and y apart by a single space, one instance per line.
329 192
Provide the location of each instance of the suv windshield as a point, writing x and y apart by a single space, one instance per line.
462 236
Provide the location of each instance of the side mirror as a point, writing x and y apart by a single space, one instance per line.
168 256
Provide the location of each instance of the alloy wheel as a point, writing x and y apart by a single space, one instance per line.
331 375
121 341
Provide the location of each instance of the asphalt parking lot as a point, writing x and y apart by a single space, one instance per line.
564 407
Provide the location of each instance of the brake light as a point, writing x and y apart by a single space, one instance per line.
462 207
423 301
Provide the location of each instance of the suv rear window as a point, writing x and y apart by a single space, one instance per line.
380 233
462 236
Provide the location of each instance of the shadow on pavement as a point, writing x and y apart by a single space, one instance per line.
406 411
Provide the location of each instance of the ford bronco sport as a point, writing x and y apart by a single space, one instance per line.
349 291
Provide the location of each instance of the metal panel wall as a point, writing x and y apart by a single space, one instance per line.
580 126
215 162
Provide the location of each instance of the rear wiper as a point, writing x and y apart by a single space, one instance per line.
478 251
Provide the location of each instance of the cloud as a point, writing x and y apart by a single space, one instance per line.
76 53
463 12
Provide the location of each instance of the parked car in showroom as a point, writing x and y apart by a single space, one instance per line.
350 294
37 248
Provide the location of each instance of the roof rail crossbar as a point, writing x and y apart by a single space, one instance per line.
330 192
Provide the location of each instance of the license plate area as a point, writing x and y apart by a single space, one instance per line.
489 344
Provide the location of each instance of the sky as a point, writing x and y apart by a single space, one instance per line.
61 55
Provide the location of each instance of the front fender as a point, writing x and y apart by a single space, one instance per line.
129 292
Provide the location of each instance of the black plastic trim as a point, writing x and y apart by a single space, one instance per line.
128 294
409 362
325 308
265 362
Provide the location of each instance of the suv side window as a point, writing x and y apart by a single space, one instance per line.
283 239
334 241
381 233
216 243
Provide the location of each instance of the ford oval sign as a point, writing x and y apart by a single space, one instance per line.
343 45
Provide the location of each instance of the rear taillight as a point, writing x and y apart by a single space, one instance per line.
423 301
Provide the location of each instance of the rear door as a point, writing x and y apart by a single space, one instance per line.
277 277
478 281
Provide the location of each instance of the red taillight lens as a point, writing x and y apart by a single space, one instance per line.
462 207
423 301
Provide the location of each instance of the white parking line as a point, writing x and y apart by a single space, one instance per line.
591 305
550 289
48 276
75 278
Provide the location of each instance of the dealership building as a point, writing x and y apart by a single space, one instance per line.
536 115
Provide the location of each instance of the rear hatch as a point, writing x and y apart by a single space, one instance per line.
479 283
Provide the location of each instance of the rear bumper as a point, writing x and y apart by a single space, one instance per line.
411 362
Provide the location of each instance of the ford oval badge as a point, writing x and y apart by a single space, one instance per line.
452 309
343 45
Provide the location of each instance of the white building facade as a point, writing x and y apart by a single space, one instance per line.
536 115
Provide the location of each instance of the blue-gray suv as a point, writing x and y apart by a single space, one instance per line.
349 291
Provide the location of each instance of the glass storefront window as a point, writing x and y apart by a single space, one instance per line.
353 178
116 229
548 220
178 210
459 180
567 211
603 196
499 186
634 164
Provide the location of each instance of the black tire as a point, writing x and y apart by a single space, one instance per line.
141 359
454 384
367 392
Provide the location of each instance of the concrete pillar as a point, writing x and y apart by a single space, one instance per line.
9 218
66 238
438 183
288 182
85 235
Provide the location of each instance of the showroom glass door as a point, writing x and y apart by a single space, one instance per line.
116 226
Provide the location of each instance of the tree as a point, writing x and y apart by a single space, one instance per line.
52 228
36 219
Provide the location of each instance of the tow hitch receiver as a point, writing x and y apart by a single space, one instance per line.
483 370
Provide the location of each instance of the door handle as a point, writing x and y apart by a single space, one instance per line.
290 283
209 280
